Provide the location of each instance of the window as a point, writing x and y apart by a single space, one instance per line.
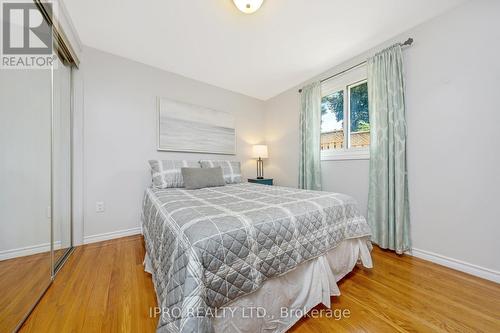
345 125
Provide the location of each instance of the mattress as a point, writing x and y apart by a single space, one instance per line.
211 246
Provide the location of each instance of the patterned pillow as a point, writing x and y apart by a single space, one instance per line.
167 173
230 169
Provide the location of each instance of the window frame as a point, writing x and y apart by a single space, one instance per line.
345 82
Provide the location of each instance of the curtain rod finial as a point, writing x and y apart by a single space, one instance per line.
409 41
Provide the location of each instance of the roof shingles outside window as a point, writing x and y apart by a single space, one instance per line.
335 139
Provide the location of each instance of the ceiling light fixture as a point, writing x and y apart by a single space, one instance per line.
248 6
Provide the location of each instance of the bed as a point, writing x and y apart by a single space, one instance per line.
231 258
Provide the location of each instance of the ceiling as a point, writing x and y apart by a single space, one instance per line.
261 55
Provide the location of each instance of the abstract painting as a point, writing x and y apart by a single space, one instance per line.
192 128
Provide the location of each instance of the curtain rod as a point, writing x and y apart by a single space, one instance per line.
408 42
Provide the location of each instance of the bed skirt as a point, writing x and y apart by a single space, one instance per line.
283 300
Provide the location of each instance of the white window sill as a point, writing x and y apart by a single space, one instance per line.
339 155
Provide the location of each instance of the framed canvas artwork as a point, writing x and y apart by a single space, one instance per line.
190 128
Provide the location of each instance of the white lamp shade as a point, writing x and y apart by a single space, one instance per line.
248 6
259 151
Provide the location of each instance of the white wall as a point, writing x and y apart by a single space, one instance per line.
119 136
453 79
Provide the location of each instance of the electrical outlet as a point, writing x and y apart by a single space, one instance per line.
99 206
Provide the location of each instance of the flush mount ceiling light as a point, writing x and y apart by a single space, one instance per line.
248 6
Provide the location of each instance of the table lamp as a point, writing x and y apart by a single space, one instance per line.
259 152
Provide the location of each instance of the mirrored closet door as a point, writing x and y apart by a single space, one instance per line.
61 160
35 179
25 191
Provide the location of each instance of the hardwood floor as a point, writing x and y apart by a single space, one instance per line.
22 281
103 287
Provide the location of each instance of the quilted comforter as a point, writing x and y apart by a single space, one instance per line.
210 246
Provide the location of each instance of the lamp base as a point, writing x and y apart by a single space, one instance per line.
260 168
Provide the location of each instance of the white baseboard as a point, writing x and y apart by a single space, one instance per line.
111 235
27 250
45 247
458 265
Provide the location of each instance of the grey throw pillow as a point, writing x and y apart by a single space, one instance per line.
195 178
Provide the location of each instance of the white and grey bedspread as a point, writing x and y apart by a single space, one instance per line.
210 246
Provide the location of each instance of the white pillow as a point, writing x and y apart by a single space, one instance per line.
230 169
167 173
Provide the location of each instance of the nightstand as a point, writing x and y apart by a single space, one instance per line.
265 181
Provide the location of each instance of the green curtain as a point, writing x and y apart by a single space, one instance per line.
310 123
388 205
